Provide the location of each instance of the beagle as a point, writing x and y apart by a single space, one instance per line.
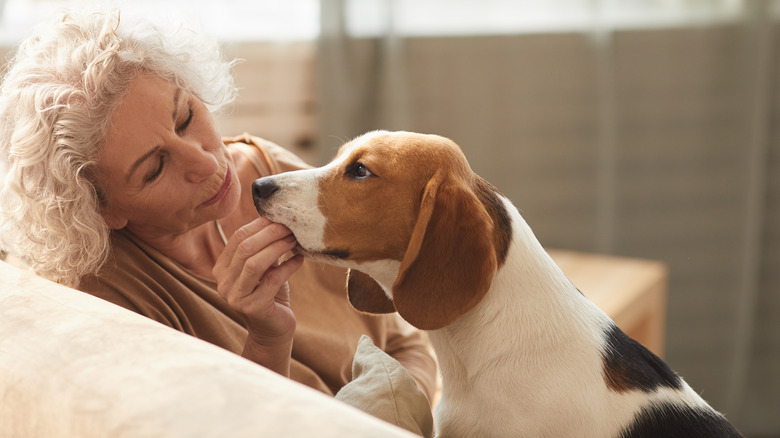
522 352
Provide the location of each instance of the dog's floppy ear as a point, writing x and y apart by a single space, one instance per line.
367 295
450 261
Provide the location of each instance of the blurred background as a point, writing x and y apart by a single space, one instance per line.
638 128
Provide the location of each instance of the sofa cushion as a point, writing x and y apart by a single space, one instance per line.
382 387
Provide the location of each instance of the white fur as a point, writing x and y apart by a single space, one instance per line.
296 206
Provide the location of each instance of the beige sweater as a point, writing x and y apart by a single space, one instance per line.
143 280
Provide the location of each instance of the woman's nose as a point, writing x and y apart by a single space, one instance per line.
200 162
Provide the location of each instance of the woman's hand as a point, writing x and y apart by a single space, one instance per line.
251 280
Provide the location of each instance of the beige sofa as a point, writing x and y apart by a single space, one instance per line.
72 365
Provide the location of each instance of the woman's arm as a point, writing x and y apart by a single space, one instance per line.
255 285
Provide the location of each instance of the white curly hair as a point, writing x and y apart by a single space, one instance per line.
55 103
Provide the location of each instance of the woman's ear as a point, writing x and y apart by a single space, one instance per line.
450 261
113 220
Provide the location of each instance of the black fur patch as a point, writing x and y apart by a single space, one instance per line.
630 366
488 195
670 421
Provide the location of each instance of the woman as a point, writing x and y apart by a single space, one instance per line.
116 182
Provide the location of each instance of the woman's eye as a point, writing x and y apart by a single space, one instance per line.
183 126
156 172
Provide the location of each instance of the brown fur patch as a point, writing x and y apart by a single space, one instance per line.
419 208
450 262
366 295
381 210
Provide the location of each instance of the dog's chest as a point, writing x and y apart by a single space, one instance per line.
516 359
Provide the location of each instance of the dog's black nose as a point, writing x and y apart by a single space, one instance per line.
263 188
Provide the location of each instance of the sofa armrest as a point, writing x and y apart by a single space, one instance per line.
74 365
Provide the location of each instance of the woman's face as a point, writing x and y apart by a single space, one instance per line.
163 167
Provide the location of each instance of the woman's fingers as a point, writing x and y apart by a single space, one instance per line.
277 276
225 260
260 268
245 244
248 265
271 294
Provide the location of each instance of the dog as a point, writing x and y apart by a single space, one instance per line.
522 352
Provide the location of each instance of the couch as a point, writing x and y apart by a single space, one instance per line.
72 365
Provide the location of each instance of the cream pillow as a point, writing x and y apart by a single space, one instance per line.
382 387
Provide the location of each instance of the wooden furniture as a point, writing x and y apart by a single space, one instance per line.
631 291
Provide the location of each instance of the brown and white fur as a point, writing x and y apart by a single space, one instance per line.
523 353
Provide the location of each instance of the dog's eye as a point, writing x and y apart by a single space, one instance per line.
359 171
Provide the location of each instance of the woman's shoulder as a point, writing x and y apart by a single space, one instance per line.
142 279
267 157
130 278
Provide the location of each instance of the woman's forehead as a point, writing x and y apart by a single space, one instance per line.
145 111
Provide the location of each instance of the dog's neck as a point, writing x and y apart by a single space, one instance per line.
529 284
550 321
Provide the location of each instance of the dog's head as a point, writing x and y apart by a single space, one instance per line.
407 210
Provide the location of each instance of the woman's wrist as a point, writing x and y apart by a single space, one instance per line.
272 353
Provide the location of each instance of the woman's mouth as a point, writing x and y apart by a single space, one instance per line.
222 190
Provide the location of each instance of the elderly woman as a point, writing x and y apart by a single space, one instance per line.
117 182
